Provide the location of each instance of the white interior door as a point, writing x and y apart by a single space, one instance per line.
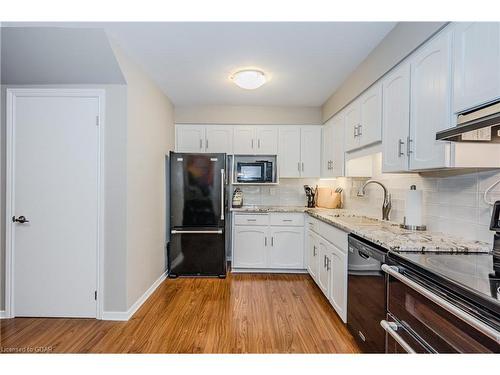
55 149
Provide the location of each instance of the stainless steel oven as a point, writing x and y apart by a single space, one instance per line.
425 317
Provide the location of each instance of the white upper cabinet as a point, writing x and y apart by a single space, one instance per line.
327 149
363 119
289 151
338 154
396 119
266 140
190 138
430 103
370 127
310 151
219 138
244 140
300 151
476 64
255 140
352 117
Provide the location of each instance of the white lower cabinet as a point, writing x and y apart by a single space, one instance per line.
327 262
277 245
312 254
324 267
285 251
250 242
338 281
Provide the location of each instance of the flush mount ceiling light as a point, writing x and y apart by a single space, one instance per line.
249 79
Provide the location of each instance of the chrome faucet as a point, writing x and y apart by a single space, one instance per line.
387 205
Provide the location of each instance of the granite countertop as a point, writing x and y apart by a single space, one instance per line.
384 233
264 209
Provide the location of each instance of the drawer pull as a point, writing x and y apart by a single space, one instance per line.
251 219
287 220
391 328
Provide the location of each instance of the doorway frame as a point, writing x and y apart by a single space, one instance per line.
11 95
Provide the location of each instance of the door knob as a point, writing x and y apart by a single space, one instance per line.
21 219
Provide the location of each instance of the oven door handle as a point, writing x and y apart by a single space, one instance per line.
391 328
441 302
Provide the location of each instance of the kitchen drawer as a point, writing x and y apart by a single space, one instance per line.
334 235
313 224
287 219
251 219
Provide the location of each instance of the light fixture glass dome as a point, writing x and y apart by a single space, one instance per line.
249 79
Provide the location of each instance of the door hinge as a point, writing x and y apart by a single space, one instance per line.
95 295
97 120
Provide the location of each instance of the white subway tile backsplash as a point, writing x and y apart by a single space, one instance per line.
453 200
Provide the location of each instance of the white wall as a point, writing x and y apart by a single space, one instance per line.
53 55
453 200
399 43
220 114
150 136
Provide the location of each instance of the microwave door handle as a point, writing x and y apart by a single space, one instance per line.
391 328
441 302
222 194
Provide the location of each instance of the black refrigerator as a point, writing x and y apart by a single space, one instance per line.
197 215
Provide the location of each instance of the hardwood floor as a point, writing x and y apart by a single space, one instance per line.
245 313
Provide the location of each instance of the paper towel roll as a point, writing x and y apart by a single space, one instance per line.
413 207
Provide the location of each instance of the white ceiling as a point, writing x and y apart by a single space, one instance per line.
191 61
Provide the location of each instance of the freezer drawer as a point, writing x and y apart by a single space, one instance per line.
197 252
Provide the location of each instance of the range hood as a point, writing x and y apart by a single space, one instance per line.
479 125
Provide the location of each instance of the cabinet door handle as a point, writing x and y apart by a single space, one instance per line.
298 166
359 129
258 143
355 131
302 166
408 146
400 147
328 262
265 241
272 241
252 143
314 250
206 144
324 261
201 143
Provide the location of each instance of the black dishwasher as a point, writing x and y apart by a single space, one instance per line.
366 294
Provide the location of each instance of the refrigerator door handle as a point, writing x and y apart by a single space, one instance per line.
173 231
222 181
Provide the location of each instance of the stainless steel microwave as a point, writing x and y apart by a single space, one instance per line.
258 171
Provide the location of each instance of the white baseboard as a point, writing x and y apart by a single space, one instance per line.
267 270
126 315
3 314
